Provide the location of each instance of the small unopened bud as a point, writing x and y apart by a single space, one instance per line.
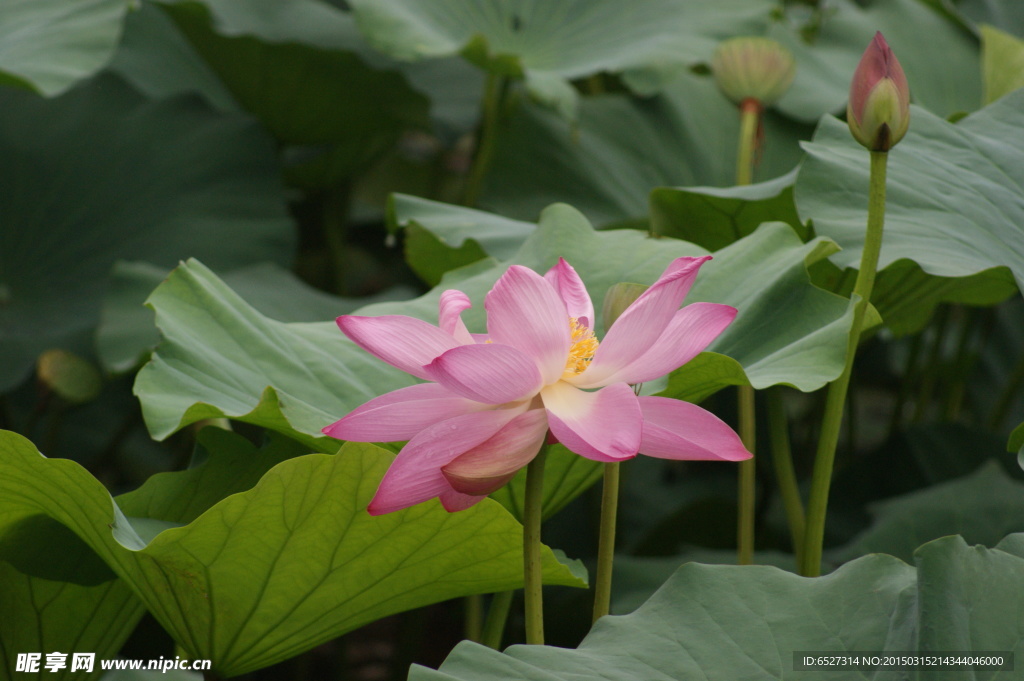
619 297
73 378
879 110
753 68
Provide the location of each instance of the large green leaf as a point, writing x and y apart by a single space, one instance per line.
127 331
551 42
160 62
270 572
440 237
941 60
299 67
715 217
47 615
724 622
71 596
99 174
954 203
220 357
983 507
713 622
48 45
684 136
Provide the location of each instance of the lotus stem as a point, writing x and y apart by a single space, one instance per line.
821 480
494 90
497 616
785 474
606 545
532 582
474 617
750 119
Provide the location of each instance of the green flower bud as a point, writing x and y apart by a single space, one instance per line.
879 110
619 297
753 68
73 378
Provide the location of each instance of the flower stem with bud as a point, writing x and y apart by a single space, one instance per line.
821 480
750 121
878 115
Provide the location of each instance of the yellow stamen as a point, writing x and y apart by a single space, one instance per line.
582 350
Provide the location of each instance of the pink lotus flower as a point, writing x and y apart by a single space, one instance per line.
492 398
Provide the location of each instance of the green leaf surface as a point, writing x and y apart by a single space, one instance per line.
127 330
499 236
300 68
941 60
280 568
954 193
725 622
1006 15
549 43
160 62
1002 62
1016 439
684 136
440 237
220 357
983 507
48 45
636 579
46 615
72 596
715 217
713 622
99 174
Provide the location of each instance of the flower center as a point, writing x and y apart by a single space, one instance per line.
582 350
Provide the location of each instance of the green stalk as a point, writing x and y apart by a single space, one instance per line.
473 606
494 90
750 117
532 509
747 487
497 616
606 545
785 474
832 421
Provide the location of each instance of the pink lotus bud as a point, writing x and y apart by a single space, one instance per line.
879 108
753 68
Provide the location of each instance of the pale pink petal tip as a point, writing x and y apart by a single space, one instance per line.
573 292
451 305
674 429
403 342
